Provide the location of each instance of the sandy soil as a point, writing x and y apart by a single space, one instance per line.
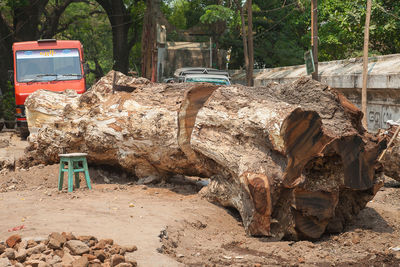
172 226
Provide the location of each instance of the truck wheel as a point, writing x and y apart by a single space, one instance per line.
23 132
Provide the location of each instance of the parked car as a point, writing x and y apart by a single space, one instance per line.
200 74
208 78
199 70
169 80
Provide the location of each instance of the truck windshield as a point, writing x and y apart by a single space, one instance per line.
48 65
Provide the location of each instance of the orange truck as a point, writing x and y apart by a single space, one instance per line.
54 65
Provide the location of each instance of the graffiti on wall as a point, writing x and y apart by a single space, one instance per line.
378 115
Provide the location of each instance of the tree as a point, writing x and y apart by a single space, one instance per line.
94 32
217 17
120 20
342 27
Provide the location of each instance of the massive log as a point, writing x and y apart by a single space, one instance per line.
294 160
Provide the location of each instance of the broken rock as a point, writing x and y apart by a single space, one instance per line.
56 251
102 243
101 255
115 249
77 247
129 248
4 262
9 253
69 236
56 240
20 255
81 262
90 257
31 244
55 259
67 259
130 258
36 250
86 238
117 259
13 240
124 264
36 263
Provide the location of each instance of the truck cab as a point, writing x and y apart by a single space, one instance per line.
54 65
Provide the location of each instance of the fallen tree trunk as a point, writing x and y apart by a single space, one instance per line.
294 160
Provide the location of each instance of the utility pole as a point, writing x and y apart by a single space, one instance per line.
314 36
211 53
250 47
365 65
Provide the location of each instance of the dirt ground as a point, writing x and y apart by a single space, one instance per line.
173 226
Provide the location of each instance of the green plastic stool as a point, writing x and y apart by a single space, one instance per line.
73 160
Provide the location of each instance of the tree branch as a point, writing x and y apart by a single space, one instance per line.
50 27
74 19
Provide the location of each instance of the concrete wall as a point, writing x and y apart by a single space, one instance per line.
346 76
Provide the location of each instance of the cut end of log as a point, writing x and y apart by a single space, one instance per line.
304 139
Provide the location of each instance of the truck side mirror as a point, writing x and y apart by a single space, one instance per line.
86 68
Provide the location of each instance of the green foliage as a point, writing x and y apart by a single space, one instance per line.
281 27
7 104
177 16
342 28
185 14
215 13
135 56
93 31
16 3
281 35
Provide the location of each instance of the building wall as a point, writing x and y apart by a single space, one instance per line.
382 105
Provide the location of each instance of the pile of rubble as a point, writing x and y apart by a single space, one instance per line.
61 250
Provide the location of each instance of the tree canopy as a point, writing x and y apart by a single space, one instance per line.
111 31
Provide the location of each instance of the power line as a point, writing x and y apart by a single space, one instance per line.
276 9
276 24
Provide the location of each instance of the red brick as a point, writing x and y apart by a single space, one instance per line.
13 240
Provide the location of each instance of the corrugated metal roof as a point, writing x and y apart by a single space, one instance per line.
383 72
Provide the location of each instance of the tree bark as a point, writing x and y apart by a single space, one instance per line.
149 37
120 21
294 160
